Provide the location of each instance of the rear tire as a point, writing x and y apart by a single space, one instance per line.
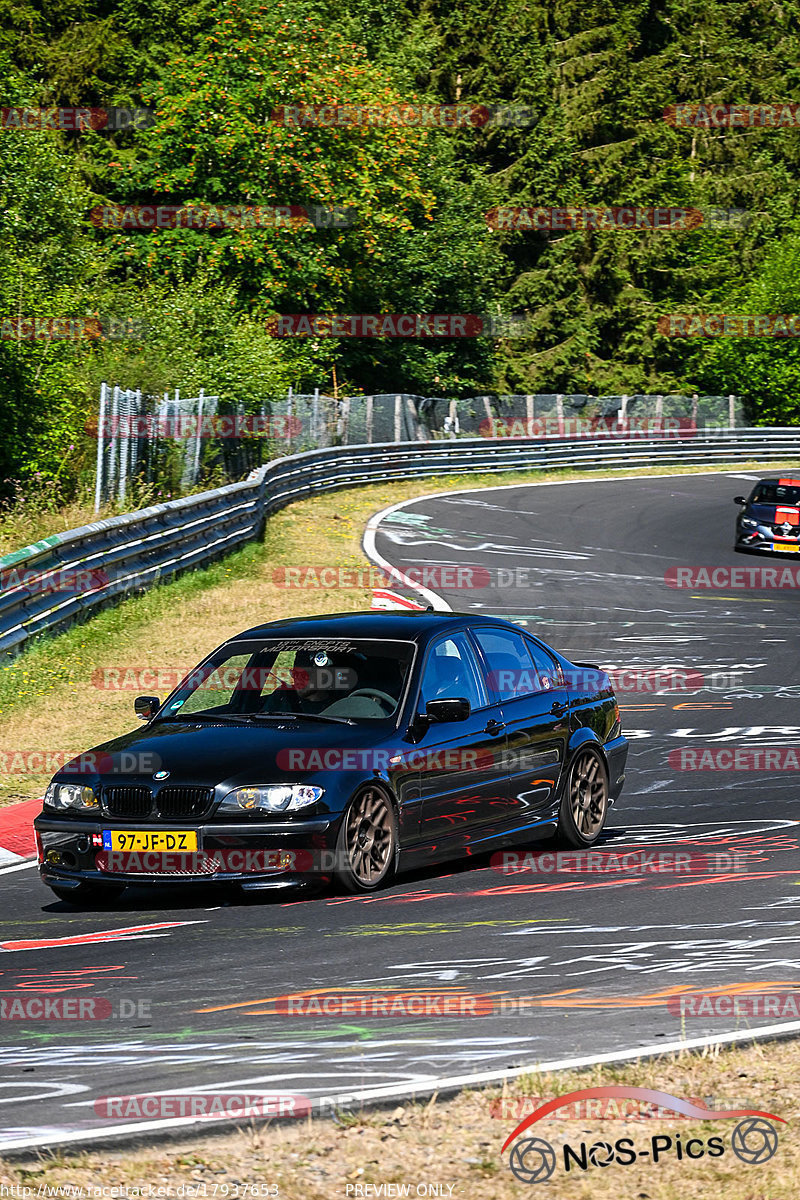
584 804
366 849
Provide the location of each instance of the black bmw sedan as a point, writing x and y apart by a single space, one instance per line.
348 746
770 517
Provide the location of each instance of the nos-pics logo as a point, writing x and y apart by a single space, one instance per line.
753 1140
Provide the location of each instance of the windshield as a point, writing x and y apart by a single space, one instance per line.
777 493
361 680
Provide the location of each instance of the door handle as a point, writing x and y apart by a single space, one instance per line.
494 726
558 707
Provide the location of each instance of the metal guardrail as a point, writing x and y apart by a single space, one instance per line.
51 584
99 563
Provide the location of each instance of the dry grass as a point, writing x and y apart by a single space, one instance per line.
456 1143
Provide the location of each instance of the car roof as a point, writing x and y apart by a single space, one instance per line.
388 623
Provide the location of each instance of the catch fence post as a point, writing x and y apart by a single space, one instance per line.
98 485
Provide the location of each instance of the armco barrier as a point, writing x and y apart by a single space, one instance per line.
139 549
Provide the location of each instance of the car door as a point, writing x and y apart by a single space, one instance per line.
527 683
458 765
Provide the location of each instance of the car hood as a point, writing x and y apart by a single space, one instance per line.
767 514
232 755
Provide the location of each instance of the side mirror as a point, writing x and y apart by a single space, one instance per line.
440 711
739 500
146 707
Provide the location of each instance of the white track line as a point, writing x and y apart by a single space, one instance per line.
20 866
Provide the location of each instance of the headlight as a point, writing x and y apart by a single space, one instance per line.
63 796
749 522
279 798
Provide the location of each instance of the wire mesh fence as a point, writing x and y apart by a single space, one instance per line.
180 442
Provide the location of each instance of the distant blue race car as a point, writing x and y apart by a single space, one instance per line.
770 517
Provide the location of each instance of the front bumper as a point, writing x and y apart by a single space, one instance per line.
254 855
763 539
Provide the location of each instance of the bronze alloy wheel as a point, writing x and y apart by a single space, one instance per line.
368 841
584 807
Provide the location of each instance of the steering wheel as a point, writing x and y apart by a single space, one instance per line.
285 700
369 691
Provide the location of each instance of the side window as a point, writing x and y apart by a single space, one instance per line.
517 667
451 672
546 665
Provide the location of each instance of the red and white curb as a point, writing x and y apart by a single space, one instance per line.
383 599
17 841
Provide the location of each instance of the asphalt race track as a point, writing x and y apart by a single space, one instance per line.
600 957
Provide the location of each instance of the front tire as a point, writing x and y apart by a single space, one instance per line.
584 804
366 849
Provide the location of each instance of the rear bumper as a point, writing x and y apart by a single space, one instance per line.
617 755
